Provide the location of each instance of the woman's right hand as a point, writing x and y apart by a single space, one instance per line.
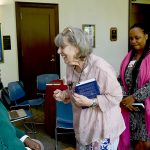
59 95
127 103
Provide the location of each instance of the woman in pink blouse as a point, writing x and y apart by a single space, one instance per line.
99 126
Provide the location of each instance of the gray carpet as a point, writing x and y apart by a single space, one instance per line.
49 143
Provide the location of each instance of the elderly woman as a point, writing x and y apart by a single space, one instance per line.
101 123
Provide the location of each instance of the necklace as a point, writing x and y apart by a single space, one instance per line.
72 84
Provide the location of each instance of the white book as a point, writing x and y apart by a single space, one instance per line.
17 114
140 106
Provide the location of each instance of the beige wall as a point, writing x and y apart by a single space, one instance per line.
104 14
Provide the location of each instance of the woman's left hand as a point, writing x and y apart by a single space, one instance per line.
81 100
32 144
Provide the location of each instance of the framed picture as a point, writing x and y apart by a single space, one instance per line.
1 50
90 29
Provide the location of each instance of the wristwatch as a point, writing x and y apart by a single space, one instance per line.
94 103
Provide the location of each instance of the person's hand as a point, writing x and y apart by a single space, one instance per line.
127 103
81 100
59 95
32 144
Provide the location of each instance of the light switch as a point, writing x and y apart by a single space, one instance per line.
113 34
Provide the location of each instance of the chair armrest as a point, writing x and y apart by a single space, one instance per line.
41 94
25 107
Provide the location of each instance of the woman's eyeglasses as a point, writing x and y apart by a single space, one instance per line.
66 30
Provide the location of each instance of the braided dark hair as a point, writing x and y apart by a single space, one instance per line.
145 52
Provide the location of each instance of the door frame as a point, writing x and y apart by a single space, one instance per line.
18 5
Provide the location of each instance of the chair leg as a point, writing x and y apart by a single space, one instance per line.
32 129
56 140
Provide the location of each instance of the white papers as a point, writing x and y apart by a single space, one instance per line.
17 114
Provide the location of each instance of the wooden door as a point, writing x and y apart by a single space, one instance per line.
37 26
139 11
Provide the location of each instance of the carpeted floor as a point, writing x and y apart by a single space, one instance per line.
49 143
65 141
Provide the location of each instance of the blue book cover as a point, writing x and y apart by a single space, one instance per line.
88 88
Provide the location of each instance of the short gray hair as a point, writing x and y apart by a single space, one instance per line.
76 37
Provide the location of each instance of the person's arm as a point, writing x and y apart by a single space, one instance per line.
110 90
32 144
61 96
141 94
28 142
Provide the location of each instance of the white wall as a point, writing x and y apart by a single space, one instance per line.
104 14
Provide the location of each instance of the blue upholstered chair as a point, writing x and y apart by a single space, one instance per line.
64 120
44 79
16 95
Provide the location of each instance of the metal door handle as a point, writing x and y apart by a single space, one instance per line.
52 59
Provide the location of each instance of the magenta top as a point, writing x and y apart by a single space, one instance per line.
144 77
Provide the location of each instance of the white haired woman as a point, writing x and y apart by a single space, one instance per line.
101 123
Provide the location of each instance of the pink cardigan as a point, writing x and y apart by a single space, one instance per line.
144 77
105 121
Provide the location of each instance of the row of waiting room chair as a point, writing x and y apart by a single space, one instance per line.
64 116
17 96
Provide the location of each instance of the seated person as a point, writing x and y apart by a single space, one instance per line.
13 138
